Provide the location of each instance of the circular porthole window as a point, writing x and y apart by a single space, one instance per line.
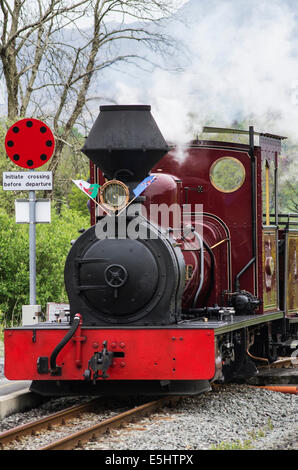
227 174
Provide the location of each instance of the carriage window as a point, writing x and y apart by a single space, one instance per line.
227 174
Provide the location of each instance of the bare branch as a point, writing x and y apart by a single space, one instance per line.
48 61
49 15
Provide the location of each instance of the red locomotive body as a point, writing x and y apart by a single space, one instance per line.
229 211
180 289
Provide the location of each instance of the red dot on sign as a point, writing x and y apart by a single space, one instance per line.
29 143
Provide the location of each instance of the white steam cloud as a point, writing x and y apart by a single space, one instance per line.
242 62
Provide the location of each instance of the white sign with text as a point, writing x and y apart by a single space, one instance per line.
27 180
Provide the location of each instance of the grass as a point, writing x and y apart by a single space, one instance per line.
235 445
247 443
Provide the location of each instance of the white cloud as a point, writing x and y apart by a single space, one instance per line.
242 61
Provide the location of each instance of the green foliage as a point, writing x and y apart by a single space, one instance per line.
77 200
52 247
288 184
235 445
69 214
227 174
246 444
73 165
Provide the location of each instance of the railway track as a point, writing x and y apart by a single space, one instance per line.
59 431
78 438
100 424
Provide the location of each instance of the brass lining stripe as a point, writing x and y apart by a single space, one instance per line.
219 243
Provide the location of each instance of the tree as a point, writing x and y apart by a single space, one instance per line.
288 190
48 74
52 247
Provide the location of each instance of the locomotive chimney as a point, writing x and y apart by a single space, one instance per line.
125 142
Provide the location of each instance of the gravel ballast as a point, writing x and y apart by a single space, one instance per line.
228 417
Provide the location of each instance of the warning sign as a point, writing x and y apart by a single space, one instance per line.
27 180
29 143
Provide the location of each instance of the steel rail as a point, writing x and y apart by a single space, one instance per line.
89 433
55 418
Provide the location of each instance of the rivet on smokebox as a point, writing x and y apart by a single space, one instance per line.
113 345
122 345
95 345
122 364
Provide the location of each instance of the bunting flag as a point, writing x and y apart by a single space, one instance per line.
90 189
143 185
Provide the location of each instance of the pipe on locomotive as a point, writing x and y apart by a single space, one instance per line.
201 243
253 212
55 370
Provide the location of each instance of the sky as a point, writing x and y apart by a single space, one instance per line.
84 22
239 60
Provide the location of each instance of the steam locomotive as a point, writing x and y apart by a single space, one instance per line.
181 285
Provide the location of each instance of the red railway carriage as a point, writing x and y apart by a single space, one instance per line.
168 290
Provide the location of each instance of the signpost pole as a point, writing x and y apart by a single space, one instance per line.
32 247
29 143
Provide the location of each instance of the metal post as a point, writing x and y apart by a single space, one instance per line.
276 188
253 202
253 214
32 247
267 194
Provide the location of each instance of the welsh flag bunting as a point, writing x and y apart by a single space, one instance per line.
90 189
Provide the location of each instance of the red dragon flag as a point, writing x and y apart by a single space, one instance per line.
90 189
